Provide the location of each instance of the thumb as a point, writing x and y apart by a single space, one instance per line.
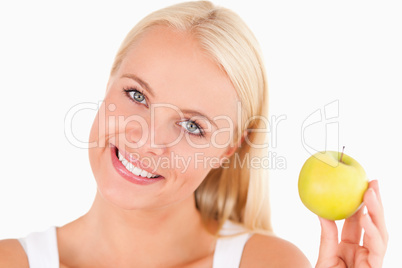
329 240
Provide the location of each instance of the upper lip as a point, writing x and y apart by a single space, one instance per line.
136 162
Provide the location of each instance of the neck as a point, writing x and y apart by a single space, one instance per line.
121 234
109 219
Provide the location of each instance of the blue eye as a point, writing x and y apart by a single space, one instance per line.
192 128
136 95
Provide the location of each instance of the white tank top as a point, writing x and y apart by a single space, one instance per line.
42 252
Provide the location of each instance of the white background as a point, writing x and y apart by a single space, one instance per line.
56 55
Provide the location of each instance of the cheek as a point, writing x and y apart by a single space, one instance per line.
103 125
119 124
222 137
194 164
94 133
192 168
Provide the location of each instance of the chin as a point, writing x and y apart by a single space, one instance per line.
116 190
122 200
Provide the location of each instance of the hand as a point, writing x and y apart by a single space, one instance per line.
348 253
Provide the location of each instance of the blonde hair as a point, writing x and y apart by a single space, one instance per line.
230 192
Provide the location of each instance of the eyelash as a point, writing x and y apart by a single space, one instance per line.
128 91
195 122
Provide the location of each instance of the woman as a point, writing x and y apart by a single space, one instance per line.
185 96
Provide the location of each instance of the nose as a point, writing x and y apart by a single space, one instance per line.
149 139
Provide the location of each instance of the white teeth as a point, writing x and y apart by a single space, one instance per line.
143 173
120 156
135 170
130 167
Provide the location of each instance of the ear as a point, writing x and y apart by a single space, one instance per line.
229 151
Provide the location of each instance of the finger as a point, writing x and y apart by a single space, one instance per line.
376 212
361 257
374 184
329 240
373 241
352 230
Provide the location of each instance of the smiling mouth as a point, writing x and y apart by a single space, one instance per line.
134 169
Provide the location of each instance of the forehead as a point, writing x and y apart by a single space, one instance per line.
181 73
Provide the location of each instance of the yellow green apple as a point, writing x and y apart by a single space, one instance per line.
332 185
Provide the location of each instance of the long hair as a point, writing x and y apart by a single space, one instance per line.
237 191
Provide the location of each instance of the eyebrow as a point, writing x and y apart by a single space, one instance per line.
151 92
141 82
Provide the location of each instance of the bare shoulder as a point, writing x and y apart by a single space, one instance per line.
12 254
271 251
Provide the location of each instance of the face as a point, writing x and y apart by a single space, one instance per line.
170 111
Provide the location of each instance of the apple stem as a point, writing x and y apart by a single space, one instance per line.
340 160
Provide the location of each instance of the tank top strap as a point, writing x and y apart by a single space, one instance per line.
229 250
41 248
